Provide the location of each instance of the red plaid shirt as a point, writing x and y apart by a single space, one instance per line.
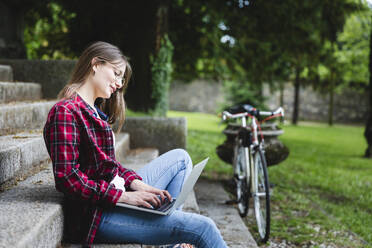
83 156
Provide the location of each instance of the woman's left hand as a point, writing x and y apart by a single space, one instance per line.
138 185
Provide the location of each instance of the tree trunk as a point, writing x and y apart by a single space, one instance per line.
146 43
331 100
11 30
296 102
368 130
281 99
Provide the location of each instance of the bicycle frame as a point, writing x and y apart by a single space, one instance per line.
255 169
248 151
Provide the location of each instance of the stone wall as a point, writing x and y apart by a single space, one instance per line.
196 96
51 74
349 106
163 133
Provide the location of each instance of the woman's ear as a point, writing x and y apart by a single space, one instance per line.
94 65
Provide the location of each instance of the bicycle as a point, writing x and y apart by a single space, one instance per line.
250 170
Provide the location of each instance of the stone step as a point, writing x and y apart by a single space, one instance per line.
32 215
122 144
211 199
20 116
21 154
10 91
31 211
6 73
137 158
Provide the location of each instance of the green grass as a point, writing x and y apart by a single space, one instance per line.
325 174
204 134
323 191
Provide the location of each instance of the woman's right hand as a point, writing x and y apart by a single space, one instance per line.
140 198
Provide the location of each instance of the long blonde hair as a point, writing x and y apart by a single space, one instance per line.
104 52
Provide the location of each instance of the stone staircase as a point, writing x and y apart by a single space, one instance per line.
31 210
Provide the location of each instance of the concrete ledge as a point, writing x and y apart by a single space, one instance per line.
19 91
6 73
211 198
122 143
139 157
15 117
163 133
51 74
31 213
20 153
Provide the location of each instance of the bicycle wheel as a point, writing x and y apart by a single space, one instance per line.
241 176
261 195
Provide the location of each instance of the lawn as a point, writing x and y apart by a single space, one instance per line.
323 191
204 134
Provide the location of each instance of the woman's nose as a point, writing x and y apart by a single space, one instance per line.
118 83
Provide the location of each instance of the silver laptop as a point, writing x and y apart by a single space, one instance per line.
168 207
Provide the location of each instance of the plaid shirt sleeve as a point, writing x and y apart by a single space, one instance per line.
62 140
128 175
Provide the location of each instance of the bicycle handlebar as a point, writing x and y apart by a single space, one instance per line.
254 112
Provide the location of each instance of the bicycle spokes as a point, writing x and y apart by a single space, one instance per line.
242 187
261 196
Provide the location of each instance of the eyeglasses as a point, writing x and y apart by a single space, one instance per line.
118 78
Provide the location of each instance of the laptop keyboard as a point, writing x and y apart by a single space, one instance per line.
164 207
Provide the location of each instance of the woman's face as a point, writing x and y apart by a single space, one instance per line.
107 78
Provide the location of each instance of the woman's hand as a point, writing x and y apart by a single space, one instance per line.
140 198
138 185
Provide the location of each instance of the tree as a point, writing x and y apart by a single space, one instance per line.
12 24
137 29
345 61
368 129
268 42
244 43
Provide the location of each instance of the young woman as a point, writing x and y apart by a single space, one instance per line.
80 143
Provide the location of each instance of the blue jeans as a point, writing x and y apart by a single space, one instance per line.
122 225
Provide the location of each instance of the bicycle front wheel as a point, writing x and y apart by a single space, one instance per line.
261 195
241 176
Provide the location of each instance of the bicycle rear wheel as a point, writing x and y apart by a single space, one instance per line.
261 195
241 176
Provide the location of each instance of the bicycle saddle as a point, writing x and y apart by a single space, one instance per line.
241 108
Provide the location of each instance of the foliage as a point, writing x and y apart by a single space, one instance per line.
46 31
232 40
353 48
237 42
346 61
241 92
161 67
